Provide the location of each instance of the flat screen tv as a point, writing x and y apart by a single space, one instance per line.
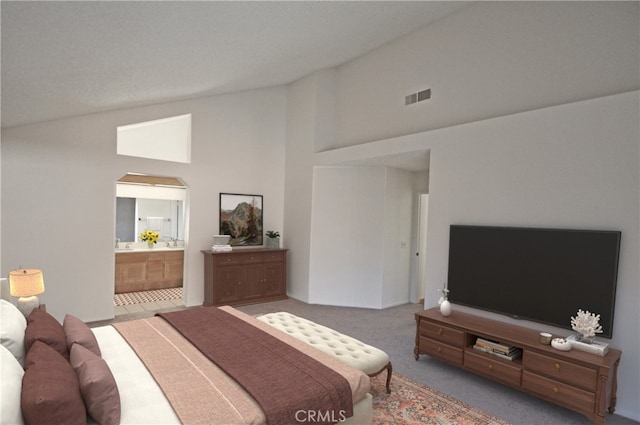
543 275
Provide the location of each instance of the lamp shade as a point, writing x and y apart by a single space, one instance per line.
26 282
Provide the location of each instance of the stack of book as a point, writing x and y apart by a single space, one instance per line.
497 349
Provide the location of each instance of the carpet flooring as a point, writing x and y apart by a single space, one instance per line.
393 330
130 298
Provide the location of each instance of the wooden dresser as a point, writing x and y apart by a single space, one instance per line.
579 381
245 276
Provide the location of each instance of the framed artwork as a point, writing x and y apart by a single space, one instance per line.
241 218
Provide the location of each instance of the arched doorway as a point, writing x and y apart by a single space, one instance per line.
149 278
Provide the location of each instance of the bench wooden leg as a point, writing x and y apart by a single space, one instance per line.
389 370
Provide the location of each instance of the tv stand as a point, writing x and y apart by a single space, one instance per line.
577 380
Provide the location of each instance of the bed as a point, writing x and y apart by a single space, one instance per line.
153 371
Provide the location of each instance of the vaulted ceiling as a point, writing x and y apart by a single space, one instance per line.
62 59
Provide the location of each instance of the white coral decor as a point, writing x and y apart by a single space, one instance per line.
586 323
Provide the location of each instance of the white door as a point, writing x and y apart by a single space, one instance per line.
423 212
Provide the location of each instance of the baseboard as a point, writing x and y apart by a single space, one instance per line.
396 304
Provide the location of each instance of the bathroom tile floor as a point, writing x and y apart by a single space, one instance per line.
147 307
147 301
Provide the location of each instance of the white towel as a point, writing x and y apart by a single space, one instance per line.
155 224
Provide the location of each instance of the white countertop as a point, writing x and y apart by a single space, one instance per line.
145 249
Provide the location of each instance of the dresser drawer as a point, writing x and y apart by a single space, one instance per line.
276 256
565 395
441 333
572 374
238 259
483 364
131 258
442 351
225 260
251 258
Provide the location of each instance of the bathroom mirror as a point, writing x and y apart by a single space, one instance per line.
135 215
145 202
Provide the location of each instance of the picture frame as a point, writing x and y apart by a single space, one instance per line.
241 218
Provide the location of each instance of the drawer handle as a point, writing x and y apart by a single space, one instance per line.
556 390
439 349
440 331
557 366
490 367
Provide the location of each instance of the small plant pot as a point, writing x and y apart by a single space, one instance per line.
273 243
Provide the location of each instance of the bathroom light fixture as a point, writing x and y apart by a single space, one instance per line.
26 284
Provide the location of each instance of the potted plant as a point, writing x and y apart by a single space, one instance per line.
273 239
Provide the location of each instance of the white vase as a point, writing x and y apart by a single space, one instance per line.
445 308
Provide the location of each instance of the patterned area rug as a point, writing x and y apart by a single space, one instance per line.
147 296
411 403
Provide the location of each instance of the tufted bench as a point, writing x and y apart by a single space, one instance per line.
368 359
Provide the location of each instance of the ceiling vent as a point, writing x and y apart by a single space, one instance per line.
420 96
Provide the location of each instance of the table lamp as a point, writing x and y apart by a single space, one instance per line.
26 284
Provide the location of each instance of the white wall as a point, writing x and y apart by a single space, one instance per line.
571 166
300 140
567 163
398 214
486 60
361 236
347 236
58 180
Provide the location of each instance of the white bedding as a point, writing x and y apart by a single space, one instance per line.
142 400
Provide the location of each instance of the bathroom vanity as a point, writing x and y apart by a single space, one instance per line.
148 269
